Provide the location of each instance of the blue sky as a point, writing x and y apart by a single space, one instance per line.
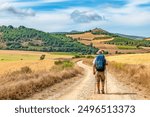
118 16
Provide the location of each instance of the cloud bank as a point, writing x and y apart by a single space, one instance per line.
85 16
129 17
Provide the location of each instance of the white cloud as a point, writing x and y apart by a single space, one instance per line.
129 14
48 21
85 16
137 2
8 8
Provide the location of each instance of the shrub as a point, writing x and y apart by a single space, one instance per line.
58 62
42 57
61 65
90 56
79 56
26 69
67 64
106 52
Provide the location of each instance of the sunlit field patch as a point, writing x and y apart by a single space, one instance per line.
131 58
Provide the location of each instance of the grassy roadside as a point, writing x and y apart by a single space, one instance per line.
25 82
136 76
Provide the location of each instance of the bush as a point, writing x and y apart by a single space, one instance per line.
106 52
90 56
79 56
58 62
42 57
26 69
61 65
67 64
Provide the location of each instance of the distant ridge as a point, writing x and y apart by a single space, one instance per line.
130 36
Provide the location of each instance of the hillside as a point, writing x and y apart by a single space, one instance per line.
112 42
23 38
129 42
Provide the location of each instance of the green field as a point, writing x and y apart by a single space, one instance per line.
64 53
14 57
128 42
126 47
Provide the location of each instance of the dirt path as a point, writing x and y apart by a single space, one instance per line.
84 89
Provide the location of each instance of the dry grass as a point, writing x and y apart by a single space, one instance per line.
22 73
35 65
132 70
24 83
137 76
99 44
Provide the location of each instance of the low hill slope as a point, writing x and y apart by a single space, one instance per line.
23 38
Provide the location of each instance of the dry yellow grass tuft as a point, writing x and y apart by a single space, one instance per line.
24 83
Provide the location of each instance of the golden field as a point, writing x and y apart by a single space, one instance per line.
86 36
35 65
131 59
132 70
13 60
97 40
22 74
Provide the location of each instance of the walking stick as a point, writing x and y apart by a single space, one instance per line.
106 80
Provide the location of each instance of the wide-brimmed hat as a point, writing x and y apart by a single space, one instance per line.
100 51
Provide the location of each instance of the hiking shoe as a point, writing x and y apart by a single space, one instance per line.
103 92
98 92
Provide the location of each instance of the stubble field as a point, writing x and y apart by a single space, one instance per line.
13 60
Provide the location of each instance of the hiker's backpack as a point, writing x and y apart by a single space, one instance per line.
100 62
